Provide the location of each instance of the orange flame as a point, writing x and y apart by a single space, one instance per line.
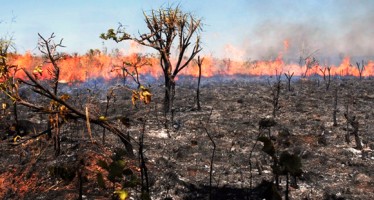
79 68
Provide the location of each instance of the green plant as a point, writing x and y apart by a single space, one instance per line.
286 164
118 172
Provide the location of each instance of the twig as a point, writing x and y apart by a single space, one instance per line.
143 167
88 124
199 64
212 157
32 137
250 163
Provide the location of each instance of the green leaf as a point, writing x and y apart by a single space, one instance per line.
100 180
116 169
103 164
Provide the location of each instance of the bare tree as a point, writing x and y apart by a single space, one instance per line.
335 106
310 62
275 92
306 58
168 28
49 49
199 64
326 79
289 77
353 121
360 68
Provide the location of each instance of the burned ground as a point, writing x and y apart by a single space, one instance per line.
178 156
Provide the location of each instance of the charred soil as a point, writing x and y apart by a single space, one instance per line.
178 152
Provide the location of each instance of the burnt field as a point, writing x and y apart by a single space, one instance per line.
219 152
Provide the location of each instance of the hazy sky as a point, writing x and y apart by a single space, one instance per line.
240 29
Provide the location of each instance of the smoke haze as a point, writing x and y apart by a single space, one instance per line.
344 30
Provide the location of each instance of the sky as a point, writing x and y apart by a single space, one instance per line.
237 29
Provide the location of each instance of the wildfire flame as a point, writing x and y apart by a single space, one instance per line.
79 68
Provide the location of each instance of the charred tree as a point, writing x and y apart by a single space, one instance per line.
49 49
80 179
275 92
199 64
308 60
109 96
213 154
7 76
360 68
143 166
326 78
335 109
353 121
289 77
66 109
168 27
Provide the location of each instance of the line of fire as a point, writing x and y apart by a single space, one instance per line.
96 64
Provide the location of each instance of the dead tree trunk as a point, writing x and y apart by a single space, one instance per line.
142 161
275 91
276 98
15 110
289 77
168 99
108 98
360 68
199 64
353 121
49 49
335 107
287 187
326 79
347 134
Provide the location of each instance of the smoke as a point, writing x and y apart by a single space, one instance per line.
332 28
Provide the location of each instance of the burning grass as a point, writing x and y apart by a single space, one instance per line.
93 65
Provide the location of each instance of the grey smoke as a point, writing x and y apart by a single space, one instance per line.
345 30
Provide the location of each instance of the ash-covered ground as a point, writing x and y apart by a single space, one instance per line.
178 153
